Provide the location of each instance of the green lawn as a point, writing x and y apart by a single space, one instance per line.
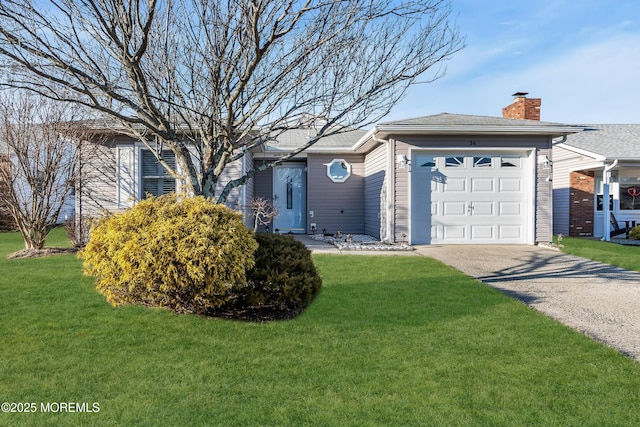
624 256
391 341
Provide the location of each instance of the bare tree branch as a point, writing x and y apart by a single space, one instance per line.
218 77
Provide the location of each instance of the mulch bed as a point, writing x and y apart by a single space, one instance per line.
39 253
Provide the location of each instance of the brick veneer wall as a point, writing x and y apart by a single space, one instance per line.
581 203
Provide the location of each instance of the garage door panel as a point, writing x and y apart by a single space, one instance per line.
482 185
509 208
510 232
454 232
482 232
510 185
455 208
455 185
482 208
473 204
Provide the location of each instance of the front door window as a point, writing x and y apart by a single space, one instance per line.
289 193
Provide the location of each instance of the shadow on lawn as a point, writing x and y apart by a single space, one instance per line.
539 267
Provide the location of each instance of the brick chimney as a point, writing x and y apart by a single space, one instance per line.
523 107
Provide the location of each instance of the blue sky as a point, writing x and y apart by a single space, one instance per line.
582 57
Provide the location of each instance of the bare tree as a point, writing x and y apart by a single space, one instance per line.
40 142
263 212
211 80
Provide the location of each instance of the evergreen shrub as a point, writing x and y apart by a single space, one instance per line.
284 279
634 233
188 254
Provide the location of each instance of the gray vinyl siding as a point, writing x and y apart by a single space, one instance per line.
262 189
231 171
375 191
248 191
337 206
110 180
97 190
543 215
401 197
263 184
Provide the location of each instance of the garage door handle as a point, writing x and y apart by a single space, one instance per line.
470 208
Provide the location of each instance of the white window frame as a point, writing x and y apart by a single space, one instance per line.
338 179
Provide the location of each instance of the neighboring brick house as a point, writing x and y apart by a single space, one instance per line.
579 166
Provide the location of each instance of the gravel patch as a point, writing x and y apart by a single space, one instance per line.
359 242
596 299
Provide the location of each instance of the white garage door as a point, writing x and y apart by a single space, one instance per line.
467 198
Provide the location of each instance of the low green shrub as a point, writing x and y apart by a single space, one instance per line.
635 233
189 255
284 280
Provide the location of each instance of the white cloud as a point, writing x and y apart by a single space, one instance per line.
596 83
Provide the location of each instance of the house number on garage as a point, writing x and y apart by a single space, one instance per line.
472 143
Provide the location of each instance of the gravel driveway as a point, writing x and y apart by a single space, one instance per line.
597 299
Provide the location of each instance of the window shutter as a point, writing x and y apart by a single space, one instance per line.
156 180
125 177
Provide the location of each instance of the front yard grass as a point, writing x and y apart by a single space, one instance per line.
625 256
390 341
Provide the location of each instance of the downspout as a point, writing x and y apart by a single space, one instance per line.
550 182
389 203
606 212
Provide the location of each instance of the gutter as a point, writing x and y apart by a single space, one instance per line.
369 135
606 212
563 140
378 140
466 129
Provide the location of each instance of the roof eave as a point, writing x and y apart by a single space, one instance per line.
582 152
551 130
385 131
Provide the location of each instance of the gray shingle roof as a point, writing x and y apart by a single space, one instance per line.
296 137
447 119
611 141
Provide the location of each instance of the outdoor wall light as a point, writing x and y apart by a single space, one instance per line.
402 161
544 161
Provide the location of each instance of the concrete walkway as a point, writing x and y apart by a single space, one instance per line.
597 299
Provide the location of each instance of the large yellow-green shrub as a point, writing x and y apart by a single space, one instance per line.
189 255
